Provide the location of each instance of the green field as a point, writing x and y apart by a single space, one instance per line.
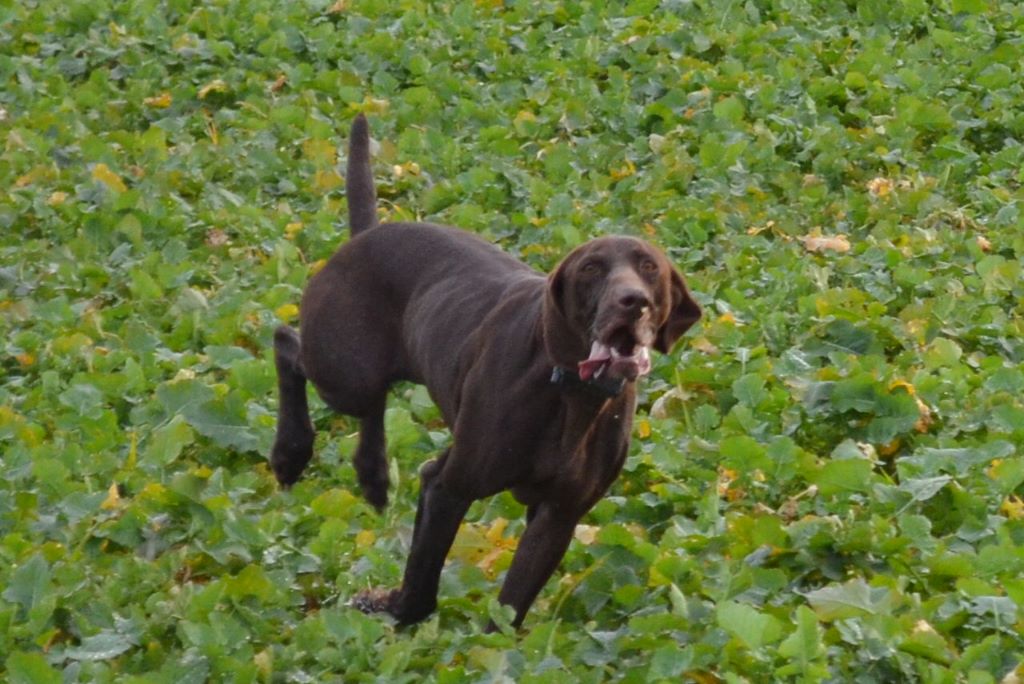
827 474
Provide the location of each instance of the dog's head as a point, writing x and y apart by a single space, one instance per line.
609 302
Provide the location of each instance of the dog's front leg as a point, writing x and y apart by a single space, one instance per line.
437 520
293 446
548 532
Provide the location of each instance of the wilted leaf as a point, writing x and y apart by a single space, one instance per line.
215 86
826 243
161 101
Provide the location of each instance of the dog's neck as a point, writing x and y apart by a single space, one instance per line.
603 387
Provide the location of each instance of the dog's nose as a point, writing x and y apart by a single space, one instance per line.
634 301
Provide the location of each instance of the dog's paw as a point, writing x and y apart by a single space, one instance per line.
392 602
372 472
288 462
374 600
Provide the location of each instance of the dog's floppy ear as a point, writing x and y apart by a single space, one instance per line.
683 313
561 340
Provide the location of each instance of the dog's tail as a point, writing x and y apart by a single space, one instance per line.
362 198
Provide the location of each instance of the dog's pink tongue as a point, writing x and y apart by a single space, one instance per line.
599 357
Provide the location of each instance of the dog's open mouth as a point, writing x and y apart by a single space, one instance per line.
608 358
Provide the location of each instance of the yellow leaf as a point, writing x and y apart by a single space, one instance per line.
983 244
925 420
400 170
317 266
133 450
726 476
522 118
365 538
643 428
880 187
821 243
704 345
624 171
326 180
701 677
161 101
728 317
103 174
113 498
495 533
25 359
39 173
212 130
214 86
287 312
292 229
1013 508
153 490
470 544
57 198
890 448
338 7
483 546
320 151
373 105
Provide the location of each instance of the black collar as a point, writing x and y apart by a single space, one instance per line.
604 387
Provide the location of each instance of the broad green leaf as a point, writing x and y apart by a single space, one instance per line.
251 581
669 662
102 646
749 625
742 452
222 421
167 441
803 647
181 395
30 582
30 668
970 6
749 389
924 488
843 476
85 400
851 599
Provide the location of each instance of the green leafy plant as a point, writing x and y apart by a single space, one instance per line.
826 481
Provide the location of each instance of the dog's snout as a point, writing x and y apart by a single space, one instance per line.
634 301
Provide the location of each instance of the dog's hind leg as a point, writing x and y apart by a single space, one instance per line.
438 516
370 459
293 446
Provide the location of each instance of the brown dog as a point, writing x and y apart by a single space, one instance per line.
535 376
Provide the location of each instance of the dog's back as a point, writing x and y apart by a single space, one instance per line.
393 295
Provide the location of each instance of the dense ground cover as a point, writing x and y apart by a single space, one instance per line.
826 476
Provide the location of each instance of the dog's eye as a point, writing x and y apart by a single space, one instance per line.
648 266
590 268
